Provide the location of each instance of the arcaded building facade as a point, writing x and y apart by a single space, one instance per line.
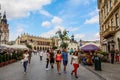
37 43
109 20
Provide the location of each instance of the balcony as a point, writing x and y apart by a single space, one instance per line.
110 31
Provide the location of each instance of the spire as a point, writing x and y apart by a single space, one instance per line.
4 16
4 20
72 37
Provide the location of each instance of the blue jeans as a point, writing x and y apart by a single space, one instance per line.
25 65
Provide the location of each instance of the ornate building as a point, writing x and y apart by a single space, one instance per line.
37 43
4 31
109 18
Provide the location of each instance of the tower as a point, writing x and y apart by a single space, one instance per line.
4 20
4 30
72 38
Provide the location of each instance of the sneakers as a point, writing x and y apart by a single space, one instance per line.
65 72
59 73
76 76
47 68
52 67
71 73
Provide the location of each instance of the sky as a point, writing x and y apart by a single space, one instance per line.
45 17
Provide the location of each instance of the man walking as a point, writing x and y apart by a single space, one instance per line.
112 52
65 59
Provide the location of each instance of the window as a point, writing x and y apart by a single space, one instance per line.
112 22
117 19
106 8
110 3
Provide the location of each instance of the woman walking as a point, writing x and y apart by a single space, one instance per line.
58 61
52 58
75 62
25 60
47 59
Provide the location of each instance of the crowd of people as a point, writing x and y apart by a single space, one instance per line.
60 57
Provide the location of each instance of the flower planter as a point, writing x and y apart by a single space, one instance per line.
2 64
13 60
7 62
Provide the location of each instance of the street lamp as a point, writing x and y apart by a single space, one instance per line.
0 36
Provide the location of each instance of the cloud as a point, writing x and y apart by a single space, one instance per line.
72 29
93 20
92 36
94 12
52 32
56 20
22 8
97 36
46 24
46 13
79 36
16 32
94 17
78 2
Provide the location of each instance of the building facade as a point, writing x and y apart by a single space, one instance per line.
4 30
37 43
109 20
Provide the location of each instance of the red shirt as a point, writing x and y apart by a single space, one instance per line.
58 57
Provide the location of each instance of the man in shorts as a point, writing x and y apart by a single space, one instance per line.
65 59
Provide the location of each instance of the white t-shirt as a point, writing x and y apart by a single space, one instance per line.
26 57
75 59
48 55
41 53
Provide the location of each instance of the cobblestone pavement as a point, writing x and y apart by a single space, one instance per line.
36 71
109 71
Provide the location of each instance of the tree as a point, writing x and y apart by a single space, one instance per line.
28 46
53 43
63 36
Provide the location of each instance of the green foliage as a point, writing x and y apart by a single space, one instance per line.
1 59
64 45
63 36
7 57
103 53
54 47
14 56
4 58
28 46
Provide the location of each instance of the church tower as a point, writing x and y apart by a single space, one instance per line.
4 31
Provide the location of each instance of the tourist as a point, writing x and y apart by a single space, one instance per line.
52 58
112 52
25 60
41 55
116 55
47 59
58 61
65 59
75 62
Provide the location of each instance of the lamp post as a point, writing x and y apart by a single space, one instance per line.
0 36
